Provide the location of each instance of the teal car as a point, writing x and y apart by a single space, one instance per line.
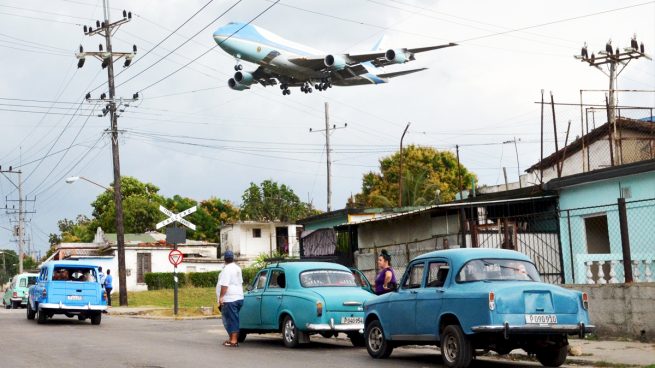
471 299
300 299
16 295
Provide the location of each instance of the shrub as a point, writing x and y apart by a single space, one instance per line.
249 273
164 280
203 279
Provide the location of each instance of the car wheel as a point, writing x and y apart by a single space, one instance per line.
455 347
357 339
290 333
553 357
377 346
242 335
30 312
7 306
96 319
41 316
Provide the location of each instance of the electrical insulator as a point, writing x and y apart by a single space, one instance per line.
124 14
86 29
134 48
97 24
100 47
80 63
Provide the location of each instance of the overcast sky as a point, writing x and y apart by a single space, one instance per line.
193 136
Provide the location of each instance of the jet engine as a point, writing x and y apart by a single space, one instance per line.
236 85
335 62
397 56
244 78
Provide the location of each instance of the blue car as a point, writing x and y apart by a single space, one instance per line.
67 287
468 299
304 298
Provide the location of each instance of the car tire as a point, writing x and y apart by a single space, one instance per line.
30 312
377 346
455 347
96 318
41 316
553 357
242 336
357 339
290 333
7 306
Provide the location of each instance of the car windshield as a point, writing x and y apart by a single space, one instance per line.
321 278
498 270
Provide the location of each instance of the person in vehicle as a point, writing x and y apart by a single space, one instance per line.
385 281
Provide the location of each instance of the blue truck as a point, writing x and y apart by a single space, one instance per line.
71 288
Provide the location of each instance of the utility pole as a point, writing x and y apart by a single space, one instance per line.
400 173
106 29
19 230
327 131
518 165
612 59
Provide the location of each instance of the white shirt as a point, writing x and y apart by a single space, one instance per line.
230 277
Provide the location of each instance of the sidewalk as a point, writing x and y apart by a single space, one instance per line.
154 313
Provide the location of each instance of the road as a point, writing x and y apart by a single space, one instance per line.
144 343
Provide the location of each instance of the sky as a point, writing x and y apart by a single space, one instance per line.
191 135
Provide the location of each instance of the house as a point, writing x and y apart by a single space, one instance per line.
593 240
144 253
634 141
249 239
523 219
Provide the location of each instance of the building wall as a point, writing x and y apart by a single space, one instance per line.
606 192
239 238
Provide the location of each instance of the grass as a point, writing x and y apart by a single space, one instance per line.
188 297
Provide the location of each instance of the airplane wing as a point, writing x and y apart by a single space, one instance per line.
398 74
378 59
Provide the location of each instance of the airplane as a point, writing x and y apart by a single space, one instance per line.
290 64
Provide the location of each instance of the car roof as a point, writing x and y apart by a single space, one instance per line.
302 266
462 255
26 274
68 263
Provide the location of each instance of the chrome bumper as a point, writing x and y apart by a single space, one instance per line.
63 306
506 329
358 327
17 300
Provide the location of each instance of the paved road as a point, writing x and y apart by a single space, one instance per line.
133 342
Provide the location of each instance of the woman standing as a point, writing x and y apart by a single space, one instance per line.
385 281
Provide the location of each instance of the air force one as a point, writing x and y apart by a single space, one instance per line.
293 65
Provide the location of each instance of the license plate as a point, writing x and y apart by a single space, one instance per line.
542 319
75 297
351 320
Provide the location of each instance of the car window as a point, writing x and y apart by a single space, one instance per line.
31 280
321 278
260 280
438 271
75 273
277 280
498 270
415 277
23 282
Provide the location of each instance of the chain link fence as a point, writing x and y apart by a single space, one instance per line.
599 242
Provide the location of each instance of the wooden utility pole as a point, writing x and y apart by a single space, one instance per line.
400 173
106 29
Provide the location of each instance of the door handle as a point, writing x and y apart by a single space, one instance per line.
279 297
440 290
413 291
259 298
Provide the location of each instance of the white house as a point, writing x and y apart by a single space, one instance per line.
249 239
143 253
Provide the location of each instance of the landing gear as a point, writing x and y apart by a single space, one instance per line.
306 88
324 85
285 89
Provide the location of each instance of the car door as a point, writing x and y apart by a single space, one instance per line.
403 303
250 314
272 298
429 299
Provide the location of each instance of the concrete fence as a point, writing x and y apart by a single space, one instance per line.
622 310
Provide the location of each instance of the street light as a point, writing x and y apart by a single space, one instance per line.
73 179
120 236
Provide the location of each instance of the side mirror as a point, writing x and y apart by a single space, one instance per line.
249 288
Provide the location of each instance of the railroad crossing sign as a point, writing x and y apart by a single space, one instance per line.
175 257
173 217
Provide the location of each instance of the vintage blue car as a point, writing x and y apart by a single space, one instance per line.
67 287
468 299
304 298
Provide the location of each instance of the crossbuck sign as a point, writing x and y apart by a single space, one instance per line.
173 217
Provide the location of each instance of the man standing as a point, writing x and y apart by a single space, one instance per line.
108 286
229 291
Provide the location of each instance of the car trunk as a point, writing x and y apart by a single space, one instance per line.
534 298
343 299
73 292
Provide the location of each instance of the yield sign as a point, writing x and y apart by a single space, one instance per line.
173 217
175 257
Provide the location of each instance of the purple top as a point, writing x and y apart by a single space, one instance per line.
379 281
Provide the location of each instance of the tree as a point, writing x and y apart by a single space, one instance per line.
140 207
426 172
272 202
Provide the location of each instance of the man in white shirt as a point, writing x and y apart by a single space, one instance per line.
229 291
